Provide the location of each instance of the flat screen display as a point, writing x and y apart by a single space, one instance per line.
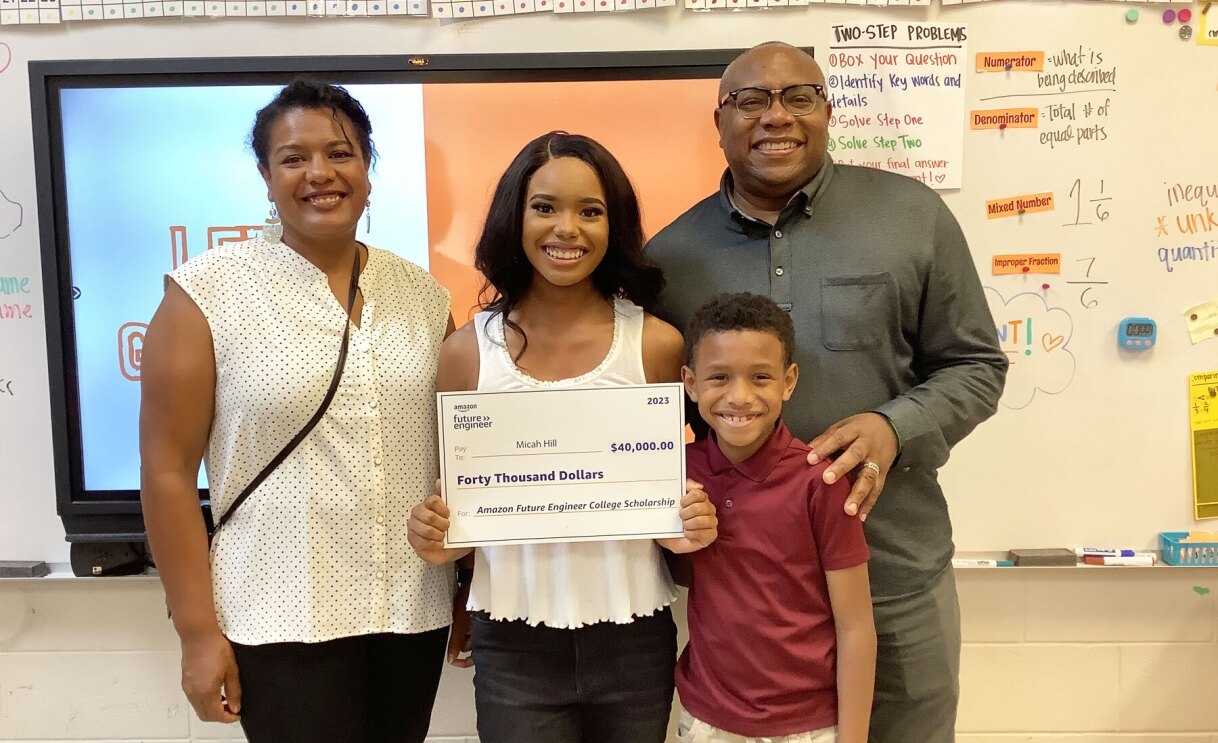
146 192
143 164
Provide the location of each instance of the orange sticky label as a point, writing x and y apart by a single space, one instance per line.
1003 118
1012 206
1027 263
1010 61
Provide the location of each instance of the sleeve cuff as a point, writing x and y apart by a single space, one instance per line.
895 432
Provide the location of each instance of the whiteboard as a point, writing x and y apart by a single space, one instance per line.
1096 456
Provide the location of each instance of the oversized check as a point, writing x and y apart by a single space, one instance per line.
563 465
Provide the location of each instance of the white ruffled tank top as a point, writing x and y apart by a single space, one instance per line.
572 584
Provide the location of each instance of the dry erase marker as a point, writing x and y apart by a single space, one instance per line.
1136 560
1102 552
960 563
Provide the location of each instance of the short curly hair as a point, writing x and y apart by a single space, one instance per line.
308 94
740 311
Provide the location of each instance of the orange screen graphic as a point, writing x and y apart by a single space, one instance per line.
661 131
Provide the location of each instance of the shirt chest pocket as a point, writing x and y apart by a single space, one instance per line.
855 311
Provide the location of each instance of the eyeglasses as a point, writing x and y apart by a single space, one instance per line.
752 103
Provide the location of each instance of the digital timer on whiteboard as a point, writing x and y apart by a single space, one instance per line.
1137 334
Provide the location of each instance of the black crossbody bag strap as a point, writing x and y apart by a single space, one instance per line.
321 411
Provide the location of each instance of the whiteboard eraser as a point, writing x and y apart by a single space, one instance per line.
1056 556
23 569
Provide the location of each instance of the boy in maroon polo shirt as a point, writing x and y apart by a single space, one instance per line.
781 636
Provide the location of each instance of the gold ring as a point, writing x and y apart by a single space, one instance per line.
872 466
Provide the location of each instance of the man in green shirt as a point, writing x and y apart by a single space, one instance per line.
894 341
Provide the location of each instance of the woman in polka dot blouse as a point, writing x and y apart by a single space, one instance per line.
311 619
572 642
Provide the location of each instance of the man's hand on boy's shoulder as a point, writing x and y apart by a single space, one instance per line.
698 520
865 441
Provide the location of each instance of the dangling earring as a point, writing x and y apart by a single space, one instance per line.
272 231
368 215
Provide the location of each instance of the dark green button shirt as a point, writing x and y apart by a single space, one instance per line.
889 316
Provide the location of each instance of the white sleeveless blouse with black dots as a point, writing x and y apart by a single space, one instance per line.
319 550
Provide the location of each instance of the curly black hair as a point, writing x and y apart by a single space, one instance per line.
307 94
740 311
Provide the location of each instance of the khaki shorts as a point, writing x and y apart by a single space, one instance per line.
693 730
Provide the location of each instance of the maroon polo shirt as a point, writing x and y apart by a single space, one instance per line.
761 658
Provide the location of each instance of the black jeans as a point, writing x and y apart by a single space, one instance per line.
603 683
367 689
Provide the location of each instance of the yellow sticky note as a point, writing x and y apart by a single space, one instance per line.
1202 321
1203 421
1207 32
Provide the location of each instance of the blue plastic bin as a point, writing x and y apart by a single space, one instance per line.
1176 552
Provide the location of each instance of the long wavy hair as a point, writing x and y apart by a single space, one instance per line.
624 271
